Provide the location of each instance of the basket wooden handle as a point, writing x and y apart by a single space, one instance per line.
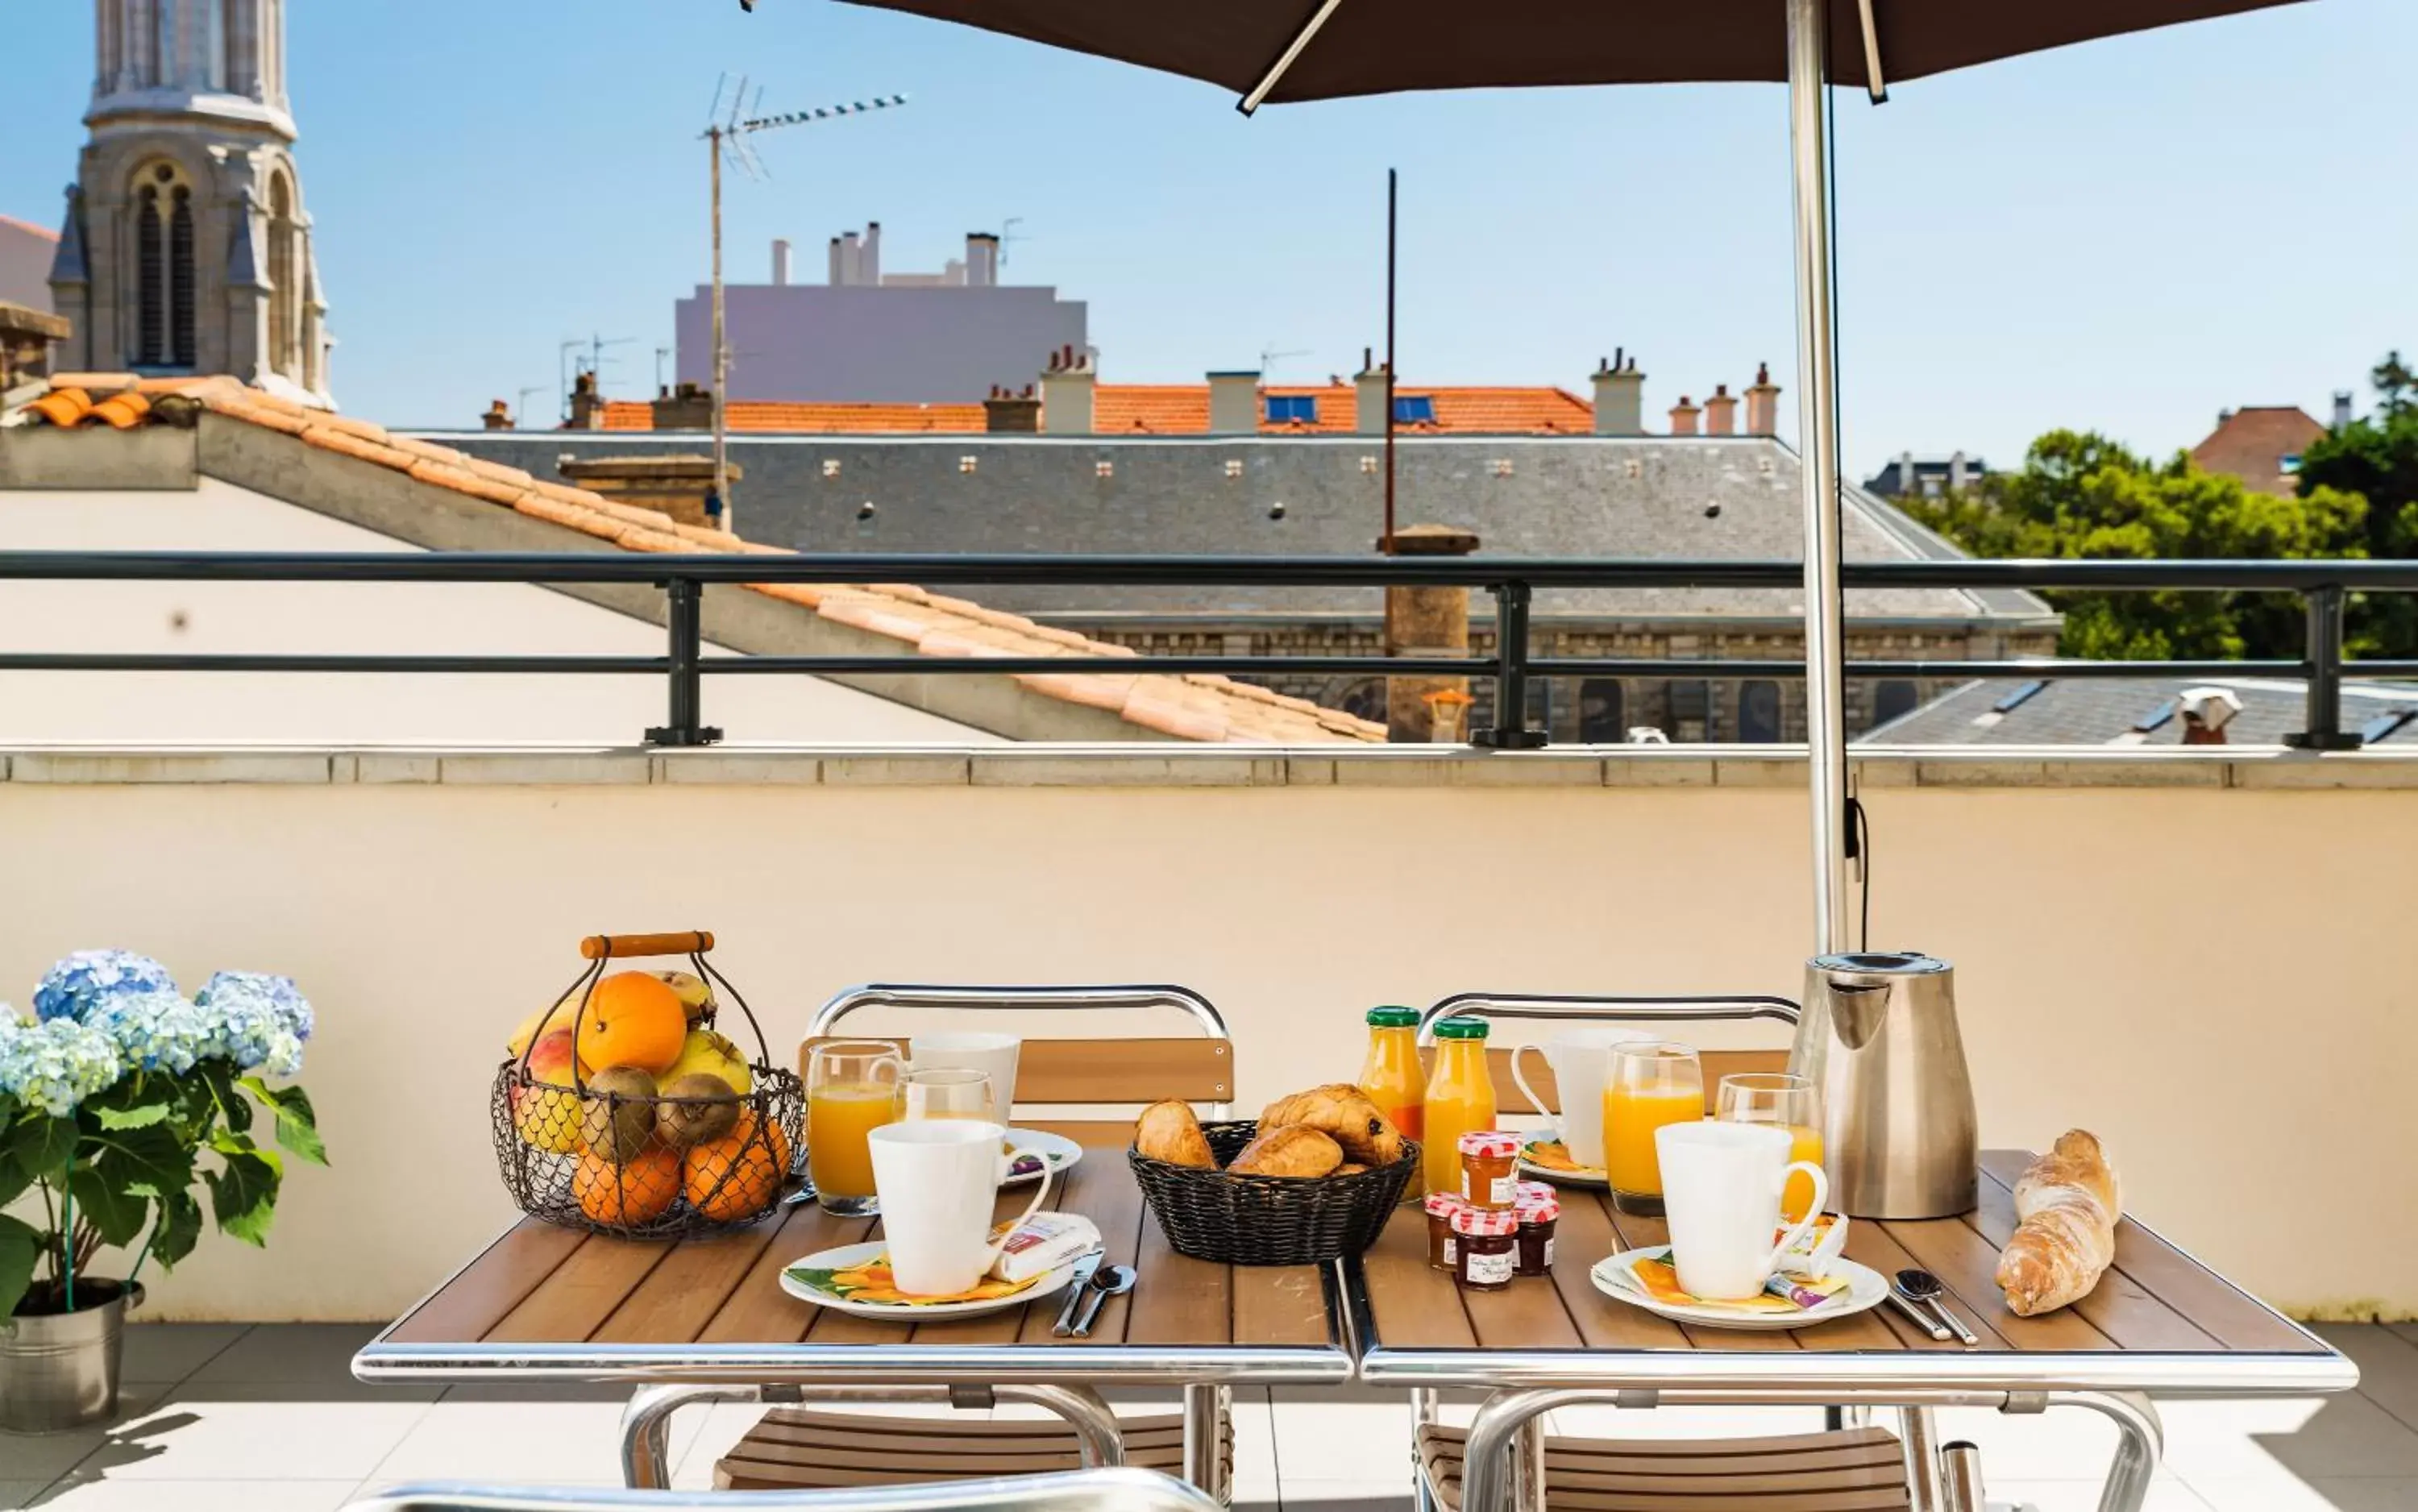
680 942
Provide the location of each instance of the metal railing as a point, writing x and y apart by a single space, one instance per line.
2321 586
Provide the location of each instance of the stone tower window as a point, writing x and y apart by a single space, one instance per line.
284 265
165 323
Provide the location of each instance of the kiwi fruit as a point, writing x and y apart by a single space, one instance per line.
618 1116
685 1124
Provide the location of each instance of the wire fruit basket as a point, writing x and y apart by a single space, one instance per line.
624 1111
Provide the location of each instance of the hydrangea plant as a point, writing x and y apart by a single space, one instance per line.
123 1101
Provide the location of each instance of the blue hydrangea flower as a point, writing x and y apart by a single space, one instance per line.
153 1030
56 1064
248 1023
283 1000
69 988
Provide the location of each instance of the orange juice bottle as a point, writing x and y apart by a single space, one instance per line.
1460 1100
1391 1076
1805 1143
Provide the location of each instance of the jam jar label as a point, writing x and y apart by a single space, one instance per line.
1488 1270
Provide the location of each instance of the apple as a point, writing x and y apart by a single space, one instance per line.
546 1118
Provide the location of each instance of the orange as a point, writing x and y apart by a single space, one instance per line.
629 1194
632 1019
738 1175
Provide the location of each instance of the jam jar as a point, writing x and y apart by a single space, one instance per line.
1487 1241
1534 1240
1442 1253
1490 1168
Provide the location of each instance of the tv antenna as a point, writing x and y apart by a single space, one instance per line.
1269 356
520 400
727 133
1009 236
661 353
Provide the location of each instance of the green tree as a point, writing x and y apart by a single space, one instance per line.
2376 458
2082 495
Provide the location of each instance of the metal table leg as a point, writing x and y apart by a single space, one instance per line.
1487 1480
2137 1451
1919 1438
647 1424
1207 1411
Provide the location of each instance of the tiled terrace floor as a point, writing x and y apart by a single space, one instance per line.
268 1419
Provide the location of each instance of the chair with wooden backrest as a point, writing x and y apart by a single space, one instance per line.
793 1447
1086 1490
1859 1469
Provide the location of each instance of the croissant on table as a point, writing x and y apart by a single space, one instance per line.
1344 1114
2066 1208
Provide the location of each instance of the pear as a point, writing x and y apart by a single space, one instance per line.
713 1055
618 1119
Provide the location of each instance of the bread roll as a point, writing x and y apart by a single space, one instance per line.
1168 1131
2066 1204
1292 1151
1343 1113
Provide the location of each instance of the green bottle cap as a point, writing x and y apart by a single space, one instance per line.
1461 1029
1393 1017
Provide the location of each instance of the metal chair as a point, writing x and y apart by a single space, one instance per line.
1087 1490
1850 1468
794 1447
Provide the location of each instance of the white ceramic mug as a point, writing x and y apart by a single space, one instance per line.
1720 1198
994 1055
938 1180
1581 1061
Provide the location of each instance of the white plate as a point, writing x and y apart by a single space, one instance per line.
1058 1149
1866 1290
1585 1176
847 1255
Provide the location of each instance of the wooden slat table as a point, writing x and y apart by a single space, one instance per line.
2158 1322
549 1304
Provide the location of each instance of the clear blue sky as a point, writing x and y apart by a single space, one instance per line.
2128 235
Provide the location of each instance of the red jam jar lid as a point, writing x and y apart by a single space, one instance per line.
1533 1192
1490 1144
1538 1209
1495 1221
1443 1204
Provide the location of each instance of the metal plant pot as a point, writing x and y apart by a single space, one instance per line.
59 1370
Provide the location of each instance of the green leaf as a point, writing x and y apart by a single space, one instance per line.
219 1076
136 1103
19 1245
297 1128
116 1212
146 1162
243 1196
179 1229
43 1145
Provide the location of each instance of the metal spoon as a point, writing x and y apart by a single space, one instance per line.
1924 1287
1108 1281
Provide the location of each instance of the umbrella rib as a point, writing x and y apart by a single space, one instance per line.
1284 62
1873 80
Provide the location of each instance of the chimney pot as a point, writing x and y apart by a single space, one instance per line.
1683 417
1763 404
1721 412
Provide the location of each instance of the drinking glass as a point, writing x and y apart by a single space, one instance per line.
1650 1083
950 1091
852 1089
1792 1103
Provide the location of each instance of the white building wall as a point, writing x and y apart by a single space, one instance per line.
389 618
935 345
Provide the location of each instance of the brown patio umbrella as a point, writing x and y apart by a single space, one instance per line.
1290 50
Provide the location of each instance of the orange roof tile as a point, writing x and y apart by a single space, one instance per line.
1207 708
1165 410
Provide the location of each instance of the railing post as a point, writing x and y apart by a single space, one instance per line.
2324 717
1510 731
684 599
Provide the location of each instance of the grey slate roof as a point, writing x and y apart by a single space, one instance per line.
2101 710
1652 497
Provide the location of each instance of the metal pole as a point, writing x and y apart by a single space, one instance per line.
721 349
1388 537
2325 607
1818 412
683 604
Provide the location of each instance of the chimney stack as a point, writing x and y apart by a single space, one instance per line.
1721 412
982 260
1369 395
1067 393
780 262
1428 619
1235 403
1763 404
1959 471
1683 417
2341 408
2206 712
838 274
498 416
868 257
1619 396
1006 412
587 404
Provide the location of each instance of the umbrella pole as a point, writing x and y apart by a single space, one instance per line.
1817 420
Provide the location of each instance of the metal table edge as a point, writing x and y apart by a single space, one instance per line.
2207 1373
385 1363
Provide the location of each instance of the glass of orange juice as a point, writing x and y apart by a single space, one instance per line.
1790 1103
1651 1083
949 1092
852 1087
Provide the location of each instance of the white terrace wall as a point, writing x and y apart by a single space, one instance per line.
2210 970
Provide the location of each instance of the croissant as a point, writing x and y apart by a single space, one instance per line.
1168 1131
1292 1150
1343 1113
2066 1204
